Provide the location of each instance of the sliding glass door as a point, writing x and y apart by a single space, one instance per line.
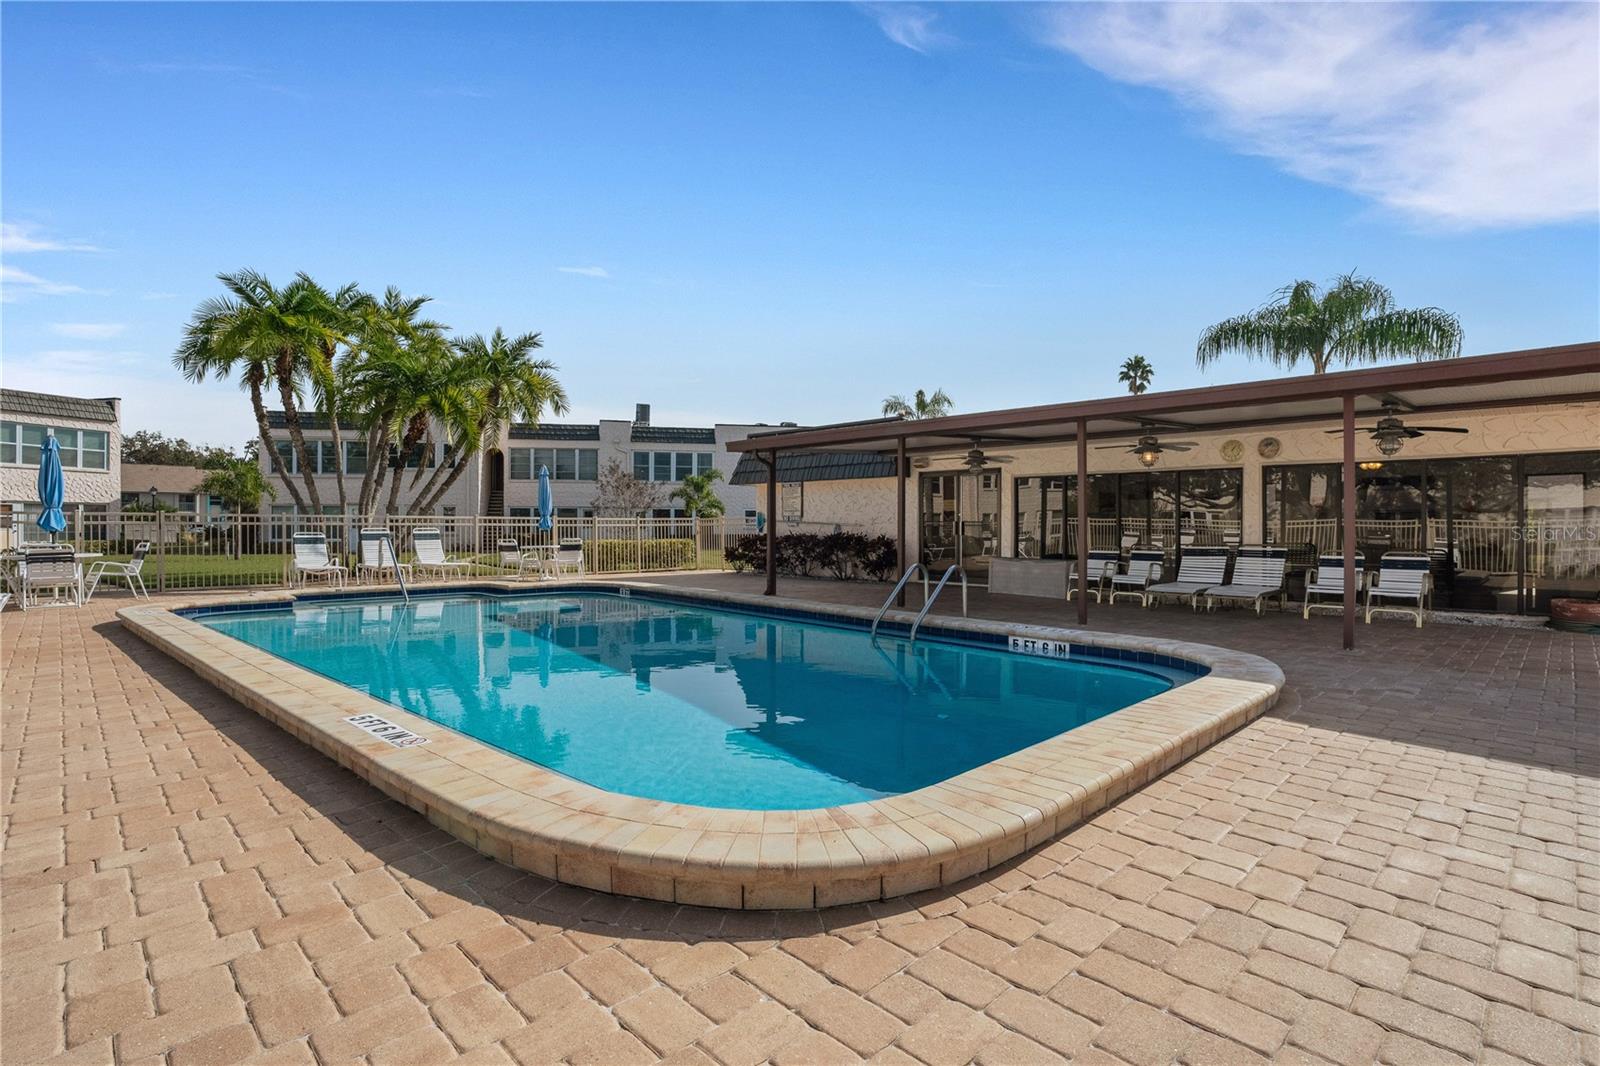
960 515
1560 528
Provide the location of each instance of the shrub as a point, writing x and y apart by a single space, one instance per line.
879 558
844 555
748 551
605 556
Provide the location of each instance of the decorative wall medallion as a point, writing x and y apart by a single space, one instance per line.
1268 448
1232 451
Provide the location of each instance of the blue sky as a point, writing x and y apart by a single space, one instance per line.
768 212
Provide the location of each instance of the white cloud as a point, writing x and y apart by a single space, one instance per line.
588 272
88 331
908 25
1492 119
16 283
19 237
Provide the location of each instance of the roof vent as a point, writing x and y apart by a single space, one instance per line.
641 414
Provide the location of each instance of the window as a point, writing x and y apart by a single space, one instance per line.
520 512
565 467
424 454
327 457
641 466
564 464
670 466
285 458
703 462
521 464
186 502
355 457
663 467
447 511
588 464
81 449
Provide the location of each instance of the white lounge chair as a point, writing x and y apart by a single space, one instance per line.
311 560
519 562
128 571
1404 579
1198 569
377 557
50 567
567 556
1327 579
1144 570
428 543
1258 575
1102 564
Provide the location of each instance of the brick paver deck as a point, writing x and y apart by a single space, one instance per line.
1397 865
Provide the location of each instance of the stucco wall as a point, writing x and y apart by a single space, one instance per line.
20 483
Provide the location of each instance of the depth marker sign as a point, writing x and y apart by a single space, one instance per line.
386 730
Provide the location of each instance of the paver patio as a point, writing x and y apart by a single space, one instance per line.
1398 864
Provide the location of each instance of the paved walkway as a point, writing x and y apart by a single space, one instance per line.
1399 865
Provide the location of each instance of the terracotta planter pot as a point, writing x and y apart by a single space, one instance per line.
1579 615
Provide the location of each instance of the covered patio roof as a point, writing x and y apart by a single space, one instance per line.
1566 373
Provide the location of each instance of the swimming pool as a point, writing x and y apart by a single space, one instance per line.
700 704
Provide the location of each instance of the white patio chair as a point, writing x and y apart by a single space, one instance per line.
115 571
519 562
567 556
5 598
1404 579
1258 575
377 557
1144 570
428 543
1198 569
53 568
311 560
1102 565
1326 579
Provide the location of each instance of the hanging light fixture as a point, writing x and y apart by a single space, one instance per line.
1370 465
1148 456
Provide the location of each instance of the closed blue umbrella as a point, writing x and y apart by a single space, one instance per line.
52 488
547 502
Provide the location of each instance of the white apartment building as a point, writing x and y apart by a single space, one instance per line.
503 481
89 432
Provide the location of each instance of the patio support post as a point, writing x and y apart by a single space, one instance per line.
772 524
901 480
1348 525
1081 547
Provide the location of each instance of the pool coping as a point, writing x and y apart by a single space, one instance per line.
557 827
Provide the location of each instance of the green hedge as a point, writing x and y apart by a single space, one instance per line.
677 553
843 555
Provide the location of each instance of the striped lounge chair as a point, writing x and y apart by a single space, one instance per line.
1199 569
1102 564
1327 579
1144 570
1403 585
1258 575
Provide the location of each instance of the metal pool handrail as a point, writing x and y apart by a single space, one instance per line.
928 606
912 569
399 575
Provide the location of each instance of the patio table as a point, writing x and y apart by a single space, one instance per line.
10 560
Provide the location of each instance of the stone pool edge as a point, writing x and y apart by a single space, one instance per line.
540 821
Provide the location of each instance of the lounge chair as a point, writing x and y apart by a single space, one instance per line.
311 560
1102 564
1327 579
519 562
428 543
50 567
1198 569
128 571
568 556
1144 570
1258 575
377 557
1403 577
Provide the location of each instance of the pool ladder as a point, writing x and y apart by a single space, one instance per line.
928 599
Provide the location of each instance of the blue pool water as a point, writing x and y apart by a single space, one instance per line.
693 704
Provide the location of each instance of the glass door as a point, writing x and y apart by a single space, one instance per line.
960 516
1561 529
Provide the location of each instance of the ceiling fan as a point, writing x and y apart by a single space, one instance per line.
1148 448
1391 432
974 459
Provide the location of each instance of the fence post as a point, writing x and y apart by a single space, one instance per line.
161 553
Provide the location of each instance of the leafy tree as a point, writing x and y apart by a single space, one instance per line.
1136 373
697 496
920 405
154 447
239 483
1353 321
621 495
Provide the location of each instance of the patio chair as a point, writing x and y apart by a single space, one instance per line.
1258 575
1144 570
1198 569
377 557
1102 564
128 571
513 558
5 598
1403 578
568 556
311 560
1327 579
428 543
54 568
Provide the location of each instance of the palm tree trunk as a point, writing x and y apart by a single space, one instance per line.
430 495
375 446
271 453
338 451
414 434
291 417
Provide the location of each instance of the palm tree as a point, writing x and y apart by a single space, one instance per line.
267 335
240 484
1353 321
920 406
1136 373
696 495
344 310
504 384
